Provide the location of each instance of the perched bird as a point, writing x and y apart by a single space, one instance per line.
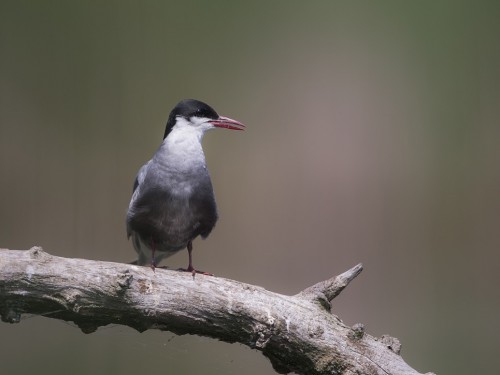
173 200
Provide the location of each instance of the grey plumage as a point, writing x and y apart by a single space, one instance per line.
173 200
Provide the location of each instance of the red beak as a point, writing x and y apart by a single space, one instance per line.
227 123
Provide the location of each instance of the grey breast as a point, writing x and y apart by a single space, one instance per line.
169 211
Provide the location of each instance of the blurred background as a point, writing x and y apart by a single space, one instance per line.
372 136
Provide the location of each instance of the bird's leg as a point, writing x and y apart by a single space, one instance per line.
153 250
190 266
190 250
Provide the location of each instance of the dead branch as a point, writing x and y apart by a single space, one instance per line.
297 333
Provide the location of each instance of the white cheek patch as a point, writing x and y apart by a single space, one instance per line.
193 121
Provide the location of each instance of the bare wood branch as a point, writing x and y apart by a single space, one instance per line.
297 333
325 291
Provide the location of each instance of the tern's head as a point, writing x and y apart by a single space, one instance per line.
191 113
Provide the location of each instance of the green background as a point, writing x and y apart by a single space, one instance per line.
372 136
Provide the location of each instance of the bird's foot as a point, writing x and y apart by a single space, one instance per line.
194 272
153 266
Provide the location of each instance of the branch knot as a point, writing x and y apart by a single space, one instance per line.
325 291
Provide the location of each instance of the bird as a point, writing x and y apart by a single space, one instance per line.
172 199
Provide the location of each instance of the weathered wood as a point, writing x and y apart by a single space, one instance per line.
297 333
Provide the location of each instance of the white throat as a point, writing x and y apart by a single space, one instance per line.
182 147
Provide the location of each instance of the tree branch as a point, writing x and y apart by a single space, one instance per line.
297 333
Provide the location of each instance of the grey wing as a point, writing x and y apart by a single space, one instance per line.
139 179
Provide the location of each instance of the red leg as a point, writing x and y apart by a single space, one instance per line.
190 266
153 250
190 250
